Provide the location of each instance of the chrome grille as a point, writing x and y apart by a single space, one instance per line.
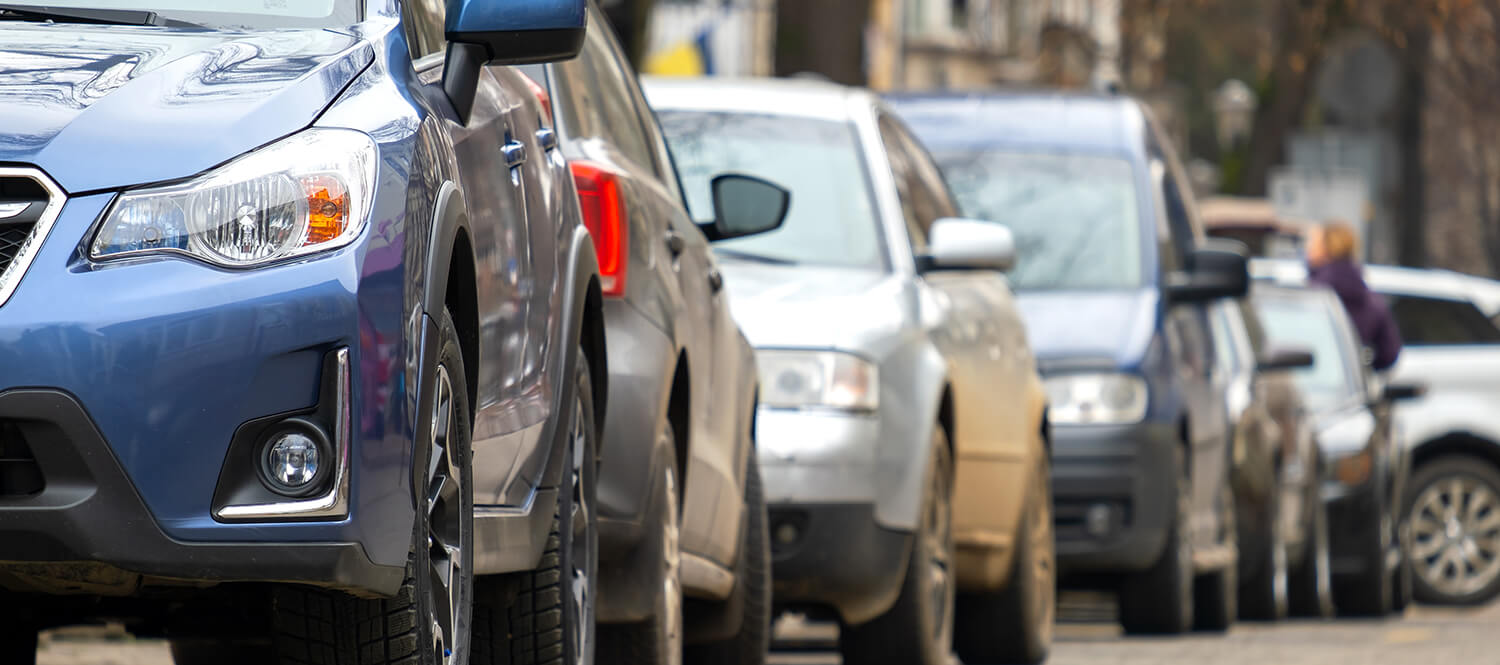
29 204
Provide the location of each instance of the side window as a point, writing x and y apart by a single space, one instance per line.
1440 322
903 170
422 22
1178 221
1168 253
615 106
932 200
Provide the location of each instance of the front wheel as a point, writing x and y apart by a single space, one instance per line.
1160 599
546 615
428 622
918 629
1310 585
658 639
1454 522
1216 594
1263 596
1368 594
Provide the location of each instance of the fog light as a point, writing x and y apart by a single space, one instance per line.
294 459
1099 520
1354 470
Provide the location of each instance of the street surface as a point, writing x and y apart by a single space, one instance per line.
1424 636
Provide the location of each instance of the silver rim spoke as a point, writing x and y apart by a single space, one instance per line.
1455 524
445 528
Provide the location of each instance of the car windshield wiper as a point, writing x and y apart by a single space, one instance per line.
753 257
77 15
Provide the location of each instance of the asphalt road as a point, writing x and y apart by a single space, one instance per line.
1424 636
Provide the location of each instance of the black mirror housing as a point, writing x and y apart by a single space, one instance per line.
1285 358
1219 269
745 206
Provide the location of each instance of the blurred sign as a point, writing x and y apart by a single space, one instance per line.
1303 195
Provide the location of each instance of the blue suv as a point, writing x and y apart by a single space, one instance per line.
301 353
1115 282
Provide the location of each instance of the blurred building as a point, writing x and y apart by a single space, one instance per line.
891 44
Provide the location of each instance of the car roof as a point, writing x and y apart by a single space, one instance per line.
1038 119
810 98
1428 282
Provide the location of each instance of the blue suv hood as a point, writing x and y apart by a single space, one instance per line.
102 107
1097 325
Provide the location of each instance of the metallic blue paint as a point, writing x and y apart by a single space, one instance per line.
487 16
170 356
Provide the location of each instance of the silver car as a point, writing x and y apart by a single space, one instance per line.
901 423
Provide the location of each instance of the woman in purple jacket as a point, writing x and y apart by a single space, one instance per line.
1330 261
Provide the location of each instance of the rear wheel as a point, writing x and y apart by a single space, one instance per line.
658 639
428 622
1454 521
918 629
1263 596
1015 625
210 652
1160 599
751 599
546 615
1310 584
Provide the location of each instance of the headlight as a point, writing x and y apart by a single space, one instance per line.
306 193
1090 399
802 379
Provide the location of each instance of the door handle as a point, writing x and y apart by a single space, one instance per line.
674 243
515 153
715 280
547 138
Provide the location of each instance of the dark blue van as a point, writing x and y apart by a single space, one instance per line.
301 351
1113 276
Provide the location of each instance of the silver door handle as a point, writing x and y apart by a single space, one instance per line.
547 138
515 153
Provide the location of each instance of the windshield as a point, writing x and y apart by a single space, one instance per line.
247 14
1310 324
832 218
1075 217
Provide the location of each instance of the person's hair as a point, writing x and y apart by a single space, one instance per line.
1339 240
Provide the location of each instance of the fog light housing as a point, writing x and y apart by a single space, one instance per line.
294 459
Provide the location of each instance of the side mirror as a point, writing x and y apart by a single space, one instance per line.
1402 392
506 32
745 206
1217 270
1285 358
969 244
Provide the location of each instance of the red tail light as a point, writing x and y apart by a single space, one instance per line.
604 214
541 96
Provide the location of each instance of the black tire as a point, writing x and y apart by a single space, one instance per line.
1368 594
1429 540
1264 593
320 626
914 631
1159 600
1216 594
1310 584
18 644
545 616
210 652
1015 625
746 615
658 639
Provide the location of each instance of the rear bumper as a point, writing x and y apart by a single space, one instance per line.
90 514
1124 472
839 558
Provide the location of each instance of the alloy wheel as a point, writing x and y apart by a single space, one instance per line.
1455 528
672 574
1043 571
583 559
448 596
940 556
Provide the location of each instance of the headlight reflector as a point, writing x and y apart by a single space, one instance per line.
307 193
1090 399
827 379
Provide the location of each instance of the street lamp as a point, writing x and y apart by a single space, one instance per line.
1234 110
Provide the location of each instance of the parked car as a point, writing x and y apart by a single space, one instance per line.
683 380
1114 281
1366 466
1281 518
294 350
902 423
1452 348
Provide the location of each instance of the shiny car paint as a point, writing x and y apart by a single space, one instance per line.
169 356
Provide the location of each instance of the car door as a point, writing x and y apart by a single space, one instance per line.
1202 383
503 433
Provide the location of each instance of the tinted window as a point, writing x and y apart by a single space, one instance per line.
1310 323
1179 223
1075 217
916 209
832 219
609 101
1440 322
